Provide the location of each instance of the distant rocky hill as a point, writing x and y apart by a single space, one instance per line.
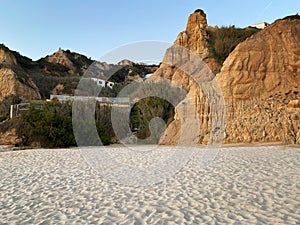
259 80
30 80
58 73
67 63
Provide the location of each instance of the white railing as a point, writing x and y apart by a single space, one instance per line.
15 109
63 98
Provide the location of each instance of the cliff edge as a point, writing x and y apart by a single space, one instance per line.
259 81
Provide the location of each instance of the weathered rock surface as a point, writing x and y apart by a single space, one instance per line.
125 62
195 35
7 57
10 138
177 66
13 78
11 85
260 83
61 58
269 62
58 90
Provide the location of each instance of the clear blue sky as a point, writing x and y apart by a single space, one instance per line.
37 28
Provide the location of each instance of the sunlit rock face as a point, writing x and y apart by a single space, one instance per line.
11 85
259 81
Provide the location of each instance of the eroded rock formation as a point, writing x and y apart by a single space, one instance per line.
259 81
10 137
7 57
11 85
13 78
177 66
61 58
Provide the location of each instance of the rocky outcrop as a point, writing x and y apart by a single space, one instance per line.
61 58
58 90
259 81
195 36
125 62
59 73
11 85
13 78
192 50
265 64
10 138
7 57
65 62
194 39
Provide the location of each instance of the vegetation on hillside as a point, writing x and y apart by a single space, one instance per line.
23 61
292 17
50 125
146 110
222 41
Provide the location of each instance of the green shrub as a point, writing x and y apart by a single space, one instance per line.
223 40
147 109
51 126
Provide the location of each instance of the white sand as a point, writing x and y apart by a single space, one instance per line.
243 185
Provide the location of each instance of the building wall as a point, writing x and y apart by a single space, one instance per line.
262 25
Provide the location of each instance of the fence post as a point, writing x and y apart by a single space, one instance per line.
11 111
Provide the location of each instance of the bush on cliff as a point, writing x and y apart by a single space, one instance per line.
223 40
147 109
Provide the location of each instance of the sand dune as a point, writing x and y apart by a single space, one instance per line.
242 185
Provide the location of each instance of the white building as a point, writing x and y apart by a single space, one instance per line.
103 83
148 75
261 25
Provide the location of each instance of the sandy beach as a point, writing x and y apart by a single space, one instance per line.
242 185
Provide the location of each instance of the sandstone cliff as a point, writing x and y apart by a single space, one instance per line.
10 137
260 83
61 58
11 85
13 79
7 57
58 73
192 47
65 62
195 36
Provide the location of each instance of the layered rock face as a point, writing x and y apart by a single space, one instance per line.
11 85
13 79
195 35
10 137
270 59
259 81
192 51
7 57
61 58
